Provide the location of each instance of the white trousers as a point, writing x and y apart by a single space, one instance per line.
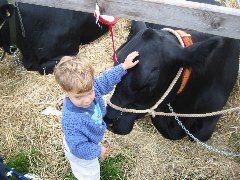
82 169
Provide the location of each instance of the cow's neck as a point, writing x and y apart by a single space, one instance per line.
186 41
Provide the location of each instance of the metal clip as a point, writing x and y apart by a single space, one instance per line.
97 13
12 49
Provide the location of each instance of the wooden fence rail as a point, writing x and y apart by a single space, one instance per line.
201 17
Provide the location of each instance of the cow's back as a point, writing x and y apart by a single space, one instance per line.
50 33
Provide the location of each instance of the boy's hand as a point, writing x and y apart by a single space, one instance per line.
105 152
128 63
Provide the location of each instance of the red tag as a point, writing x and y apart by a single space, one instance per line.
110 21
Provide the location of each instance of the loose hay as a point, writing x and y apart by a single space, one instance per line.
25 94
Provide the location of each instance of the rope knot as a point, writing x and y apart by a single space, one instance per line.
152 112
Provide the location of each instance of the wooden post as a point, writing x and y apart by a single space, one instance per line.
204 18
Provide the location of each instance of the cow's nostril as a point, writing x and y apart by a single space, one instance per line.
108 120
110 127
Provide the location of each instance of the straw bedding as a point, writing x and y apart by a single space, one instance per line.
24 95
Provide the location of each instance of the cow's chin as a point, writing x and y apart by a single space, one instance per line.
118 131
121 126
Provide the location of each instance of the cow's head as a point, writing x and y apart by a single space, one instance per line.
160 58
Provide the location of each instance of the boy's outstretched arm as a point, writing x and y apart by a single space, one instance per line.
108 79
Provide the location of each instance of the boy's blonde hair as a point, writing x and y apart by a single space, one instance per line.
74 75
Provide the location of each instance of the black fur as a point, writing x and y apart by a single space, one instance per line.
215 66
50 34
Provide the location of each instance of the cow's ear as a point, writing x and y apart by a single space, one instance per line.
148 34
198 55
137 26
7 11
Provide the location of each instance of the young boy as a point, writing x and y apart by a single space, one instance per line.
83 111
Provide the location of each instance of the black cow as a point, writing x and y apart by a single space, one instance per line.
50 34
214 62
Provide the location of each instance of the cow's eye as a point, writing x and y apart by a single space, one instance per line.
145 89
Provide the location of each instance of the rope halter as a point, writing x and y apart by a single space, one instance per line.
152 111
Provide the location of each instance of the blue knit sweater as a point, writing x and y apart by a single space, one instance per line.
81 132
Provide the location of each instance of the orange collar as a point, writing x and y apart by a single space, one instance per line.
187 39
